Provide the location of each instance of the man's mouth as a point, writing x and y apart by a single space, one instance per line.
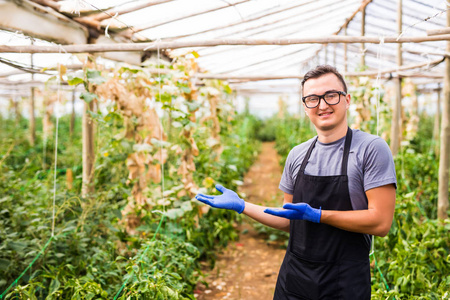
324 114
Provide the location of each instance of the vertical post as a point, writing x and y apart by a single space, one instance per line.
88 150
334 55
363 33
397 103
300 102
72 116
326 54
17 110
444 162
169 126
32 116
437 118
32 102
345 50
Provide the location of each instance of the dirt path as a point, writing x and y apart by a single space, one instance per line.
248 269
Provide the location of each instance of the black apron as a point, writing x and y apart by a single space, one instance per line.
322 261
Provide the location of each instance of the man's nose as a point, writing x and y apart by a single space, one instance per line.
323 104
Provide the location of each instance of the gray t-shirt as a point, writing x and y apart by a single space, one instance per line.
370 165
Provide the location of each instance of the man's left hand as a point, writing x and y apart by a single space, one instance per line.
297 211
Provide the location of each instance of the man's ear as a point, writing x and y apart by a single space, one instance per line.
348 99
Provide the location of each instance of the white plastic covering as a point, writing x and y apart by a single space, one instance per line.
185 20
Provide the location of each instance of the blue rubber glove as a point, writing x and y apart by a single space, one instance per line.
228 200
297 211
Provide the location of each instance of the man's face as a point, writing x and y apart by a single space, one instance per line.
326 117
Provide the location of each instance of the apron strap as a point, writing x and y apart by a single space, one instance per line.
308 154
348 142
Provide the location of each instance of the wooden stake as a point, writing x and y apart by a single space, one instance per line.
334 54
397 104
69 179
17 110
93 48
446 54
32 115
363 33
32 118
437 118
399 31
88 150
345 51
72 116
444 161
396 118
438 31
347 74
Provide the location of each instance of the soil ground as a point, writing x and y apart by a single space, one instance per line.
248 269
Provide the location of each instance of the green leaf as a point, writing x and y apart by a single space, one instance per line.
54 286
95 77
185 89
227 89
4 264
74 80
174 213
175 275
88 97
132 70
159 143
176 124
117 213
192 106
186 206
17 246
112 228
273 237
69 228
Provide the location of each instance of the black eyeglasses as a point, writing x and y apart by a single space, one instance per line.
330 98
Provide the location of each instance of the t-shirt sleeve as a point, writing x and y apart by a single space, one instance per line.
379 168
286 182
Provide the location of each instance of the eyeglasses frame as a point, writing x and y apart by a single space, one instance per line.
323 97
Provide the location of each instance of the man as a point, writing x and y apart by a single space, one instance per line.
339 188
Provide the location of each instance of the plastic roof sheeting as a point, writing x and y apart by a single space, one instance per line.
186 20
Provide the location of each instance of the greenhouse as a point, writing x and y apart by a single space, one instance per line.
212 149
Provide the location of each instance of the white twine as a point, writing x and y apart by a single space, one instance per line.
58 78
15 34
156 42
377 80
426 54
109 23
78 5
61 49
424 20
57 114
161 130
